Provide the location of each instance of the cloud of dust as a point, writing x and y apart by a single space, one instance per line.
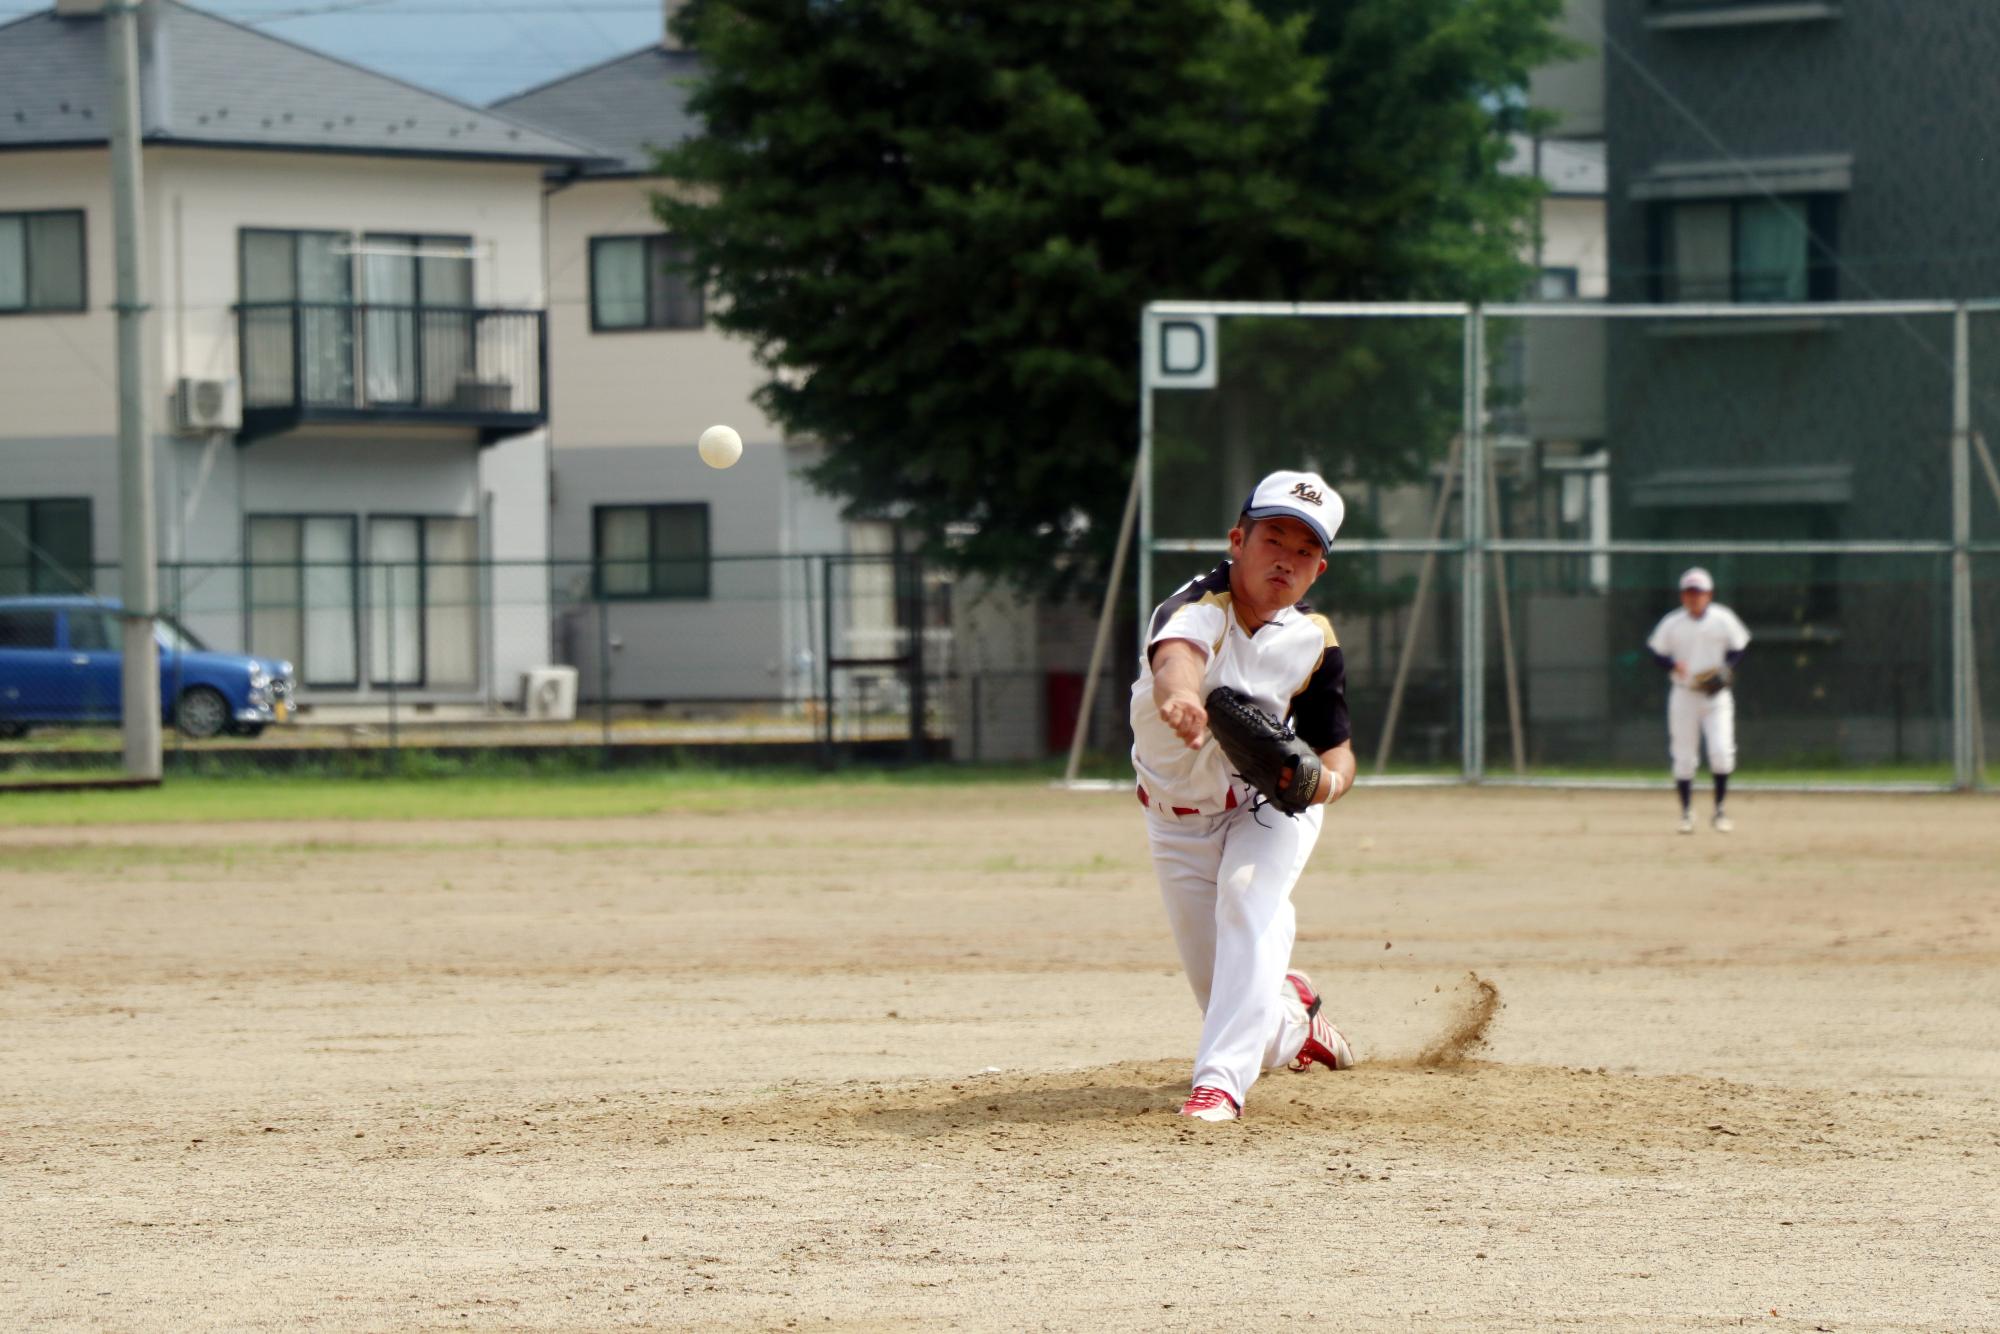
1467 1034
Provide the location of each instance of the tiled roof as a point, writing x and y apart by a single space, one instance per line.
207 81
628 106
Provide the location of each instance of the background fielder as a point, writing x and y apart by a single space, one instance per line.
1699 645
1225 862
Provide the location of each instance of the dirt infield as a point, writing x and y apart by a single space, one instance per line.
858 1064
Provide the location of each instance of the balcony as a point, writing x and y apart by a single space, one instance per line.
312 363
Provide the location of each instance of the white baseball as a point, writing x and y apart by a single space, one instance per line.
720 446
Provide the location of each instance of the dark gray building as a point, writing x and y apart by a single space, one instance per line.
1799 154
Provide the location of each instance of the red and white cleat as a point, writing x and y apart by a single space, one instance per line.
1324 1044
1208 1103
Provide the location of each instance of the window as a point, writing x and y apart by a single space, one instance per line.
27 628
1556 284
417 339
41 262
94 631
44 546
642 282
1747 250
302 595
652 551
313 271
423 624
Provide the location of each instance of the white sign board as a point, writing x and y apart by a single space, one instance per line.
1182 354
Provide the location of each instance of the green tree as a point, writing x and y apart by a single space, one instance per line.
937 220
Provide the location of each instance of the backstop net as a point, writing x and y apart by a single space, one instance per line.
1525 483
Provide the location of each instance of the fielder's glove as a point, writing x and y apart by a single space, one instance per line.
1711 682
1263 750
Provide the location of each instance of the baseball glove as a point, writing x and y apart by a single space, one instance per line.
1267 754
1711 682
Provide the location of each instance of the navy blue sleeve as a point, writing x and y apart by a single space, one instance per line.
1666 663
1734 656
1319 712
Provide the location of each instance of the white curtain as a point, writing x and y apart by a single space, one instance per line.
445 294
390 361
329 600
395 602
326 277
451 602
277 597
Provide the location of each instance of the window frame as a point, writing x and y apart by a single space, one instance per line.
652 591
1822 239
423 520
1571 273
34 612
647 241
366 552
36 543
27 306
353 583
292 234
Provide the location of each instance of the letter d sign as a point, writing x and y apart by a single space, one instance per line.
1181 352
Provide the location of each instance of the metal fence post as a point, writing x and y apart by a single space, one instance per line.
180 619
1963 705
1472 607
1144 480
826 655
389 642
603 669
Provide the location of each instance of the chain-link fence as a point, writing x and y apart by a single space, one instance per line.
807 658
1525 483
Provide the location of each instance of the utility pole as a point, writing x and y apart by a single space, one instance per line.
138 575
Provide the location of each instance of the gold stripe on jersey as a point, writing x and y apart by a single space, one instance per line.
1331 641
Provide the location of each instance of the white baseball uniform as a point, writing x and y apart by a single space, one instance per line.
1699 644
1226 872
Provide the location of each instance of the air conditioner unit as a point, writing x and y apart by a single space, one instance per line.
207 405
548 694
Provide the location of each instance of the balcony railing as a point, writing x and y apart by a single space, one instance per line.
309 362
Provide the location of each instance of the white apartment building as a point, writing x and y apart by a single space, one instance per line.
347 355
701 589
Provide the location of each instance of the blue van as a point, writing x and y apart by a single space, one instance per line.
60 662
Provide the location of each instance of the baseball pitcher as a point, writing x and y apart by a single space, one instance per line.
1699 647
1233 796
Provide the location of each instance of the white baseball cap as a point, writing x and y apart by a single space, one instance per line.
1697 578
1299 495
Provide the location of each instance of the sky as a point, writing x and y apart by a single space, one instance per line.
474 50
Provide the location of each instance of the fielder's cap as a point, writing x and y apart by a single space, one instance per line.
1299 495
1697 578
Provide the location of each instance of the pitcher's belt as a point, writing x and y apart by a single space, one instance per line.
1147 801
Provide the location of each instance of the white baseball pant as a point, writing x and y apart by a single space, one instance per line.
1693 718
1226 881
